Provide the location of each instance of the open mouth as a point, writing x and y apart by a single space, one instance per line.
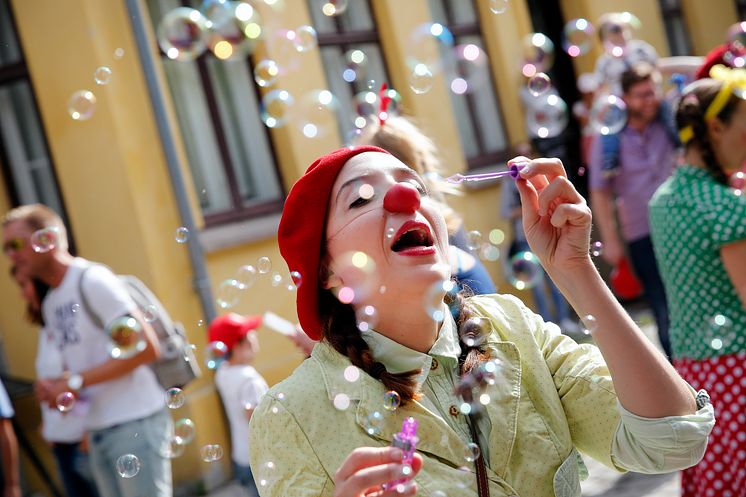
412 235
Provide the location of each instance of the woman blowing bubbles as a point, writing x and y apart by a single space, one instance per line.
324 430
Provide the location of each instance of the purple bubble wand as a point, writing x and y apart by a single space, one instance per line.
406 440
514 171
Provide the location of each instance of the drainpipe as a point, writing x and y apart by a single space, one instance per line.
196 255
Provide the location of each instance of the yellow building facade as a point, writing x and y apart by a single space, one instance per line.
115 174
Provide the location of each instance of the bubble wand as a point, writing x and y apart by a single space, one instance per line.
406 440
514 171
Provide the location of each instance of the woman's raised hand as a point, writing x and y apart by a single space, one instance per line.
556 218
367 469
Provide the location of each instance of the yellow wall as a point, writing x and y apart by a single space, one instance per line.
117 191
708 22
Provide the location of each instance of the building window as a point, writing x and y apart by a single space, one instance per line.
24 153
352 57
676 32
227 145
477 112
741 7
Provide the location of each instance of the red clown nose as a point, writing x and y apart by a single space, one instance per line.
402 198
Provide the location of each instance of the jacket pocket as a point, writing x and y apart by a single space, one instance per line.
567 476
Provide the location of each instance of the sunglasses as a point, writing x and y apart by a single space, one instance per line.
13 245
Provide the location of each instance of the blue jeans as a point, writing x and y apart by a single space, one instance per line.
74 469
643 261
245 478
146 438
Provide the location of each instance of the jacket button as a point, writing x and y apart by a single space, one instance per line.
434 364
453 411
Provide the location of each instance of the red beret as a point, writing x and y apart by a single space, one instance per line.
303 225
231 328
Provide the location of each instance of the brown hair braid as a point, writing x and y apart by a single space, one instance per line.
691 112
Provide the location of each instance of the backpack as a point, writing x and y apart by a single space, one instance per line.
177 365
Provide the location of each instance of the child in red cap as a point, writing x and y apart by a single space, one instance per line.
240 385
372 249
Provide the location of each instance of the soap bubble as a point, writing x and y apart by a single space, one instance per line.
430 45
229 293
81 105
234 30
181 34
538 84
333 7
391 400
181 235
275 279
150 314
215 354
355 65
45 239
538 53
264 265
118 54
175 398
305 39
317 113
497 236
102 75
367 317
578 37
473 240
489 252
295 279
433 301
590 325
597 248
498 6
472 452
125 338
184 431
719 331
211 452
246 276
351 373
341 401
421 79
374 423
276 106
469 70
173 450
547 116
128 465
608 114
65 402
266 72
358 271
524 270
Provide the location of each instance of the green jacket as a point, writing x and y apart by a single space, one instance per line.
551 398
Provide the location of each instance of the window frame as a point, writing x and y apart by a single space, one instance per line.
669 14
237 211
12 73
458 30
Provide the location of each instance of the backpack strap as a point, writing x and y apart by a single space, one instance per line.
84 302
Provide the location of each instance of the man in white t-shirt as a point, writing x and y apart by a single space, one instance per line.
240 386
126 409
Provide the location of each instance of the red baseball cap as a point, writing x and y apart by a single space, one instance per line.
303 225
231 328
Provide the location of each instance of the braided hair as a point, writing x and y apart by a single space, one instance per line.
691 112
339 329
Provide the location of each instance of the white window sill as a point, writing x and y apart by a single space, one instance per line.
231 235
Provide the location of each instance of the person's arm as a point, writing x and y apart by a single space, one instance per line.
113 368
11 471
557 222
604 215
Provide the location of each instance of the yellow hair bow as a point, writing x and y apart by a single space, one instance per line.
734 82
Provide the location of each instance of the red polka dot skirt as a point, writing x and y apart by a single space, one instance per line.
722 472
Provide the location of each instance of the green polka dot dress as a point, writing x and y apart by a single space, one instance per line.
692 217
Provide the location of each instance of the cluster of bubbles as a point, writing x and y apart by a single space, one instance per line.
82 103
230 290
